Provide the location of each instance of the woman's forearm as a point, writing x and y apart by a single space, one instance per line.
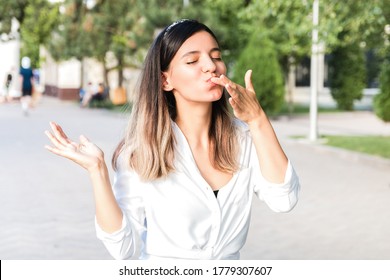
108 214
272 159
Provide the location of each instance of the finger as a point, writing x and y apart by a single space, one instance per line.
84 140
218 81
57 132
232 89
248 81
55 150
235 107
221 80
54 140
62 133
233 103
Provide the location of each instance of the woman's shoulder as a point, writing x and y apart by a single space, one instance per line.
123 169
122 163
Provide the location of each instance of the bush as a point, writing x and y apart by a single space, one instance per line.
382 100
267 78
347 76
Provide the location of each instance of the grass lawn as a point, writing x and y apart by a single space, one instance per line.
305 109
374 145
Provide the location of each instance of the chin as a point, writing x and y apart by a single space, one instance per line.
216 95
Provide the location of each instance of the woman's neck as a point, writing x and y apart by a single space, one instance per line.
195 124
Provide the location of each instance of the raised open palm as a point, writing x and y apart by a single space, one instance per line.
85 153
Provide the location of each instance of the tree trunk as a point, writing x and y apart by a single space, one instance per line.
120 71
81 73
106 83
290 88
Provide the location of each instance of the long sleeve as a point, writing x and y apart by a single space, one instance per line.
127 191
279 197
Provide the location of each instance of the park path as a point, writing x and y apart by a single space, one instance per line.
46 202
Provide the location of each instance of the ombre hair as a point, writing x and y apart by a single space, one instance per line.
149 142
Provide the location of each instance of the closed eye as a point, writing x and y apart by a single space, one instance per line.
192 62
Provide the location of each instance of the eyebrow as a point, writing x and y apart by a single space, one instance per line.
196 52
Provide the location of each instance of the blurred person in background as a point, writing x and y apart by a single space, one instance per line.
27 84
92 93
5 95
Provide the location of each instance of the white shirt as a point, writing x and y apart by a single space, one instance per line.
180 217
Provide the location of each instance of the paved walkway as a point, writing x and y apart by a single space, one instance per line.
46 202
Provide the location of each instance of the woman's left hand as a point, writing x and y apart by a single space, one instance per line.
245 105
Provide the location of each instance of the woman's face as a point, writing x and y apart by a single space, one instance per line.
189 73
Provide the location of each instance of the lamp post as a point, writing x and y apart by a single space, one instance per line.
314 75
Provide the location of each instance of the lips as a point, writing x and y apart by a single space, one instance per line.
210 83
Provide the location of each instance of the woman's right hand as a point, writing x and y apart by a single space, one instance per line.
85 153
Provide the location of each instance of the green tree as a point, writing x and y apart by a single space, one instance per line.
118 28
347 75
267 76
382 100
113 32
11 9
351 29
289 24
348 22
40 19
36 19
70 38
160 13
226 19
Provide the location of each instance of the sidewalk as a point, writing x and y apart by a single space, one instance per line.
47 209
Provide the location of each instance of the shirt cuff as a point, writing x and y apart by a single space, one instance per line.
280 197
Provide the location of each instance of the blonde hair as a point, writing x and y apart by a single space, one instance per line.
149 140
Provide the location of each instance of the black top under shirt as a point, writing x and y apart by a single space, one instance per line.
216 193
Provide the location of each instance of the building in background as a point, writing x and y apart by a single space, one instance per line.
10 60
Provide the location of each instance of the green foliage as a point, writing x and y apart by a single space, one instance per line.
227 21
40 19
161 12
260 56
10 9
113 32
359 21
36 20
347 75
70 38
124 29
288 23
382 100
120 28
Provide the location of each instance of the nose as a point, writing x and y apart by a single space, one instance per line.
209 65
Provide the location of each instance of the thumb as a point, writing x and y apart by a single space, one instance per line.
248 80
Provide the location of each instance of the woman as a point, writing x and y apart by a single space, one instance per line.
187 170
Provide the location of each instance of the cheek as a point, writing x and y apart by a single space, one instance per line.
222 69
187 78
